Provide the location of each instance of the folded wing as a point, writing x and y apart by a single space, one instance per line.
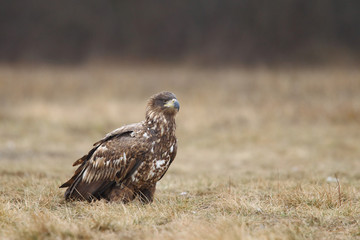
113 159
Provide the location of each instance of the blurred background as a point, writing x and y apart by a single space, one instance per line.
196 31
264 86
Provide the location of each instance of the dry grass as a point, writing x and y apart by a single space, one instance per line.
256 149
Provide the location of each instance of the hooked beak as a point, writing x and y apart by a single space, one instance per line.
173 103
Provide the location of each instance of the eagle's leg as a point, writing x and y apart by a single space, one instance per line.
121 193
146 195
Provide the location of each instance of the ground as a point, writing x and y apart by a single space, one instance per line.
263 153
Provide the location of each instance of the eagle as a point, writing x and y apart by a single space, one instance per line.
129 161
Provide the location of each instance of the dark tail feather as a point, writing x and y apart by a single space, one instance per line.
68 183
79 190
76 174
87 191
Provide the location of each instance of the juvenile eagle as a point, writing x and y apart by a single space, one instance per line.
128 161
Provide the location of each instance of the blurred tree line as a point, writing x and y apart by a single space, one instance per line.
214 31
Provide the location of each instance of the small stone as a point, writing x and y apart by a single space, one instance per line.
331 179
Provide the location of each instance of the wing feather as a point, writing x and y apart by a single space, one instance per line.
119 131
110 161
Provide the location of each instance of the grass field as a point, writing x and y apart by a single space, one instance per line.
263 153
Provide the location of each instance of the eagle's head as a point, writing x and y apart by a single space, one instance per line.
163 103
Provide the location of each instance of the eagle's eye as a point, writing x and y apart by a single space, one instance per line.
160 102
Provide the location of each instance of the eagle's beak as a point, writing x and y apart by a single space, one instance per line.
173 103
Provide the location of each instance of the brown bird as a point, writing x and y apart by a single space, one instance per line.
129 161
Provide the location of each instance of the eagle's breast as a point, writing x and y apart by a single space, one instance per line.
163 145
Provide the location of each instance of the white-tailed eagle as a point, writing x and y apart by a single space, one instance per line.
128 161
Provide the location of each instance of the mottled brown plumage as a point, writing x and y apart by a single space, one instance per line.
130 160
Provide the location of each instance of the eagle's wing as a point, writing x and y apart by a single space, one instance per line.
119 131
112 160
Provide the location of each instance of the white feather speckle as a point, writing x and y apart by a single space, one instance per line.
171 148
102 148
117 161
159 163
145 135
151 174
85 174
133 178
124 156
